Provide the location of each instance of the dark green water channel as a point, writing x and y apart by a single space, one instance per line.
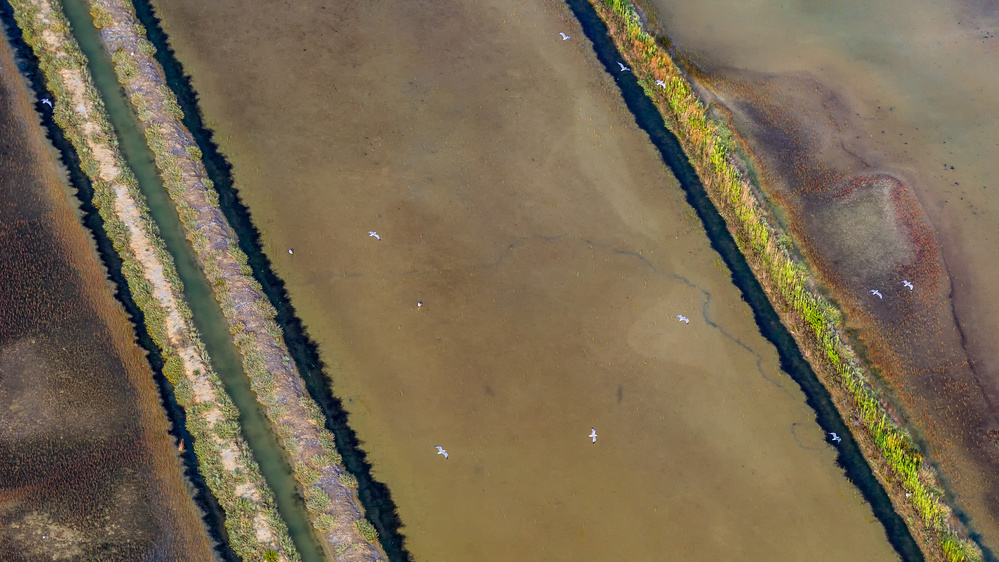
208 316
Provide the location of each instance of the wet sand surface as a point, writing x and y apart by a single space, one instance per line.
877 124
87 468
551 250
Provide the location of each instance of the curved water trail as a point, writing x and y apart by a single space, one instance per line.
521 241
374 495
649 120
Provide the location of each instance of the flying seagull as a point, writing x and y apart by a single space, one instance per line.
683 319
660 83
907 284
374 235
441 451
876 292
593 434
623 68
46 101
564 36
835 437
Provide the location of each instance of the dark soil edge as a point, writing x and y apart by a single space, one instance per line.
375 496
27 63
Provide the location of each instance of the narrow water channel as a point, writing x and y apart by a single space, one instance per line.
208 316
791 359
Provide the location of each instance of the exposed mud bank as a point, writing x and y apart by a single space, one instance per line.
858 213
861 224
725 167
329 490
82 430
229 469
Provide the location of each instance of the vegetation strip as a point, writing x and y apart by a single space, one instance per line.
329 490
212 513
255 530
817 325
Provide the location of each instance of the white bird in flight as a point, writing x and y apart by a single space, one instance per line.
876 292
907 284
623 68
47 101
441 451
683 319
374 235
593 434
564 36
660 83
835 437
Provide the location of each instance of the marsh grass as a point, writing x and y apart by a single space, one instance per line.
367 530
719 157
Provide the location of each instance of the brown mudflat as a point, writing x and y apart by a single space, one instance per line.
877 131
551 250
88 468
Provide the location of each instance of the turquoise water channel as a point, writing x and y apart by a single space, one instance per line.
208 318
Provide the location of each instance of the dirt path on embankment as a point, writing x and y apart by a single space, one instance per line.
225 460
328 489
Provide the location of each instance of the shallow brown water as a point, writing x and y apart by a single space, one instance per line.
829 91
517 200
87 468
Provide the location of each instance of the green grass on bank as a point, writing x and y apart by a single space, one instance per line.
712 149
